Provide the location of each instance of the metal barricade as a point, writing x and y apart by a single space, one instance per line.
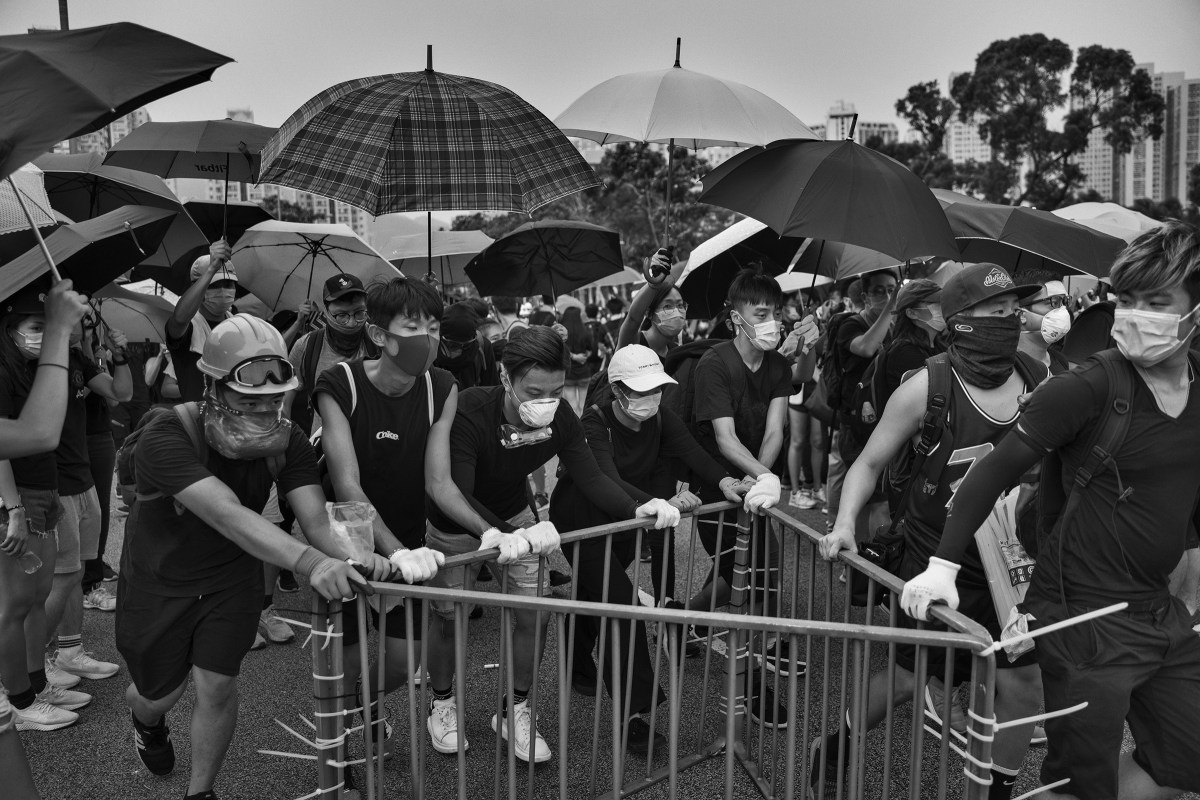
718 703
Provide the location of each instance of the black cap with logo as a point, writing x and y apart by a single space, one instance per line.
978 282
341 285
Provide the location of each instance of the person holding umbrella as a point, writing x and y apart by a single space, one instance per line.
662 303
208 301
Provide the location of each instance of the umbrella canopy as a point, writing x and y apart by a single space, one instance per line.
221 148
425 141
550 257
714 262
286 263
1119 221
242 215
141 317
834 190
801 281
840 261
15 234
58 84
452 251
94 252
625 277
83 187
1016 237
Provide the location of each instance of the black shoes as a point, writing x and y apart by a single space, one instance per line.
639 737
286 582
154 748
777 658
765 708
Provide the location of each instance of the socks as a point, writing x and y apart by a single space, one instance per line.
23 700
37 679
440 694
70 642
517 698
1003 781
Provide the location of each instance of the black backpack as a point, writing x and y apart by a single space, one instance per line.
302 405
867 399
830 363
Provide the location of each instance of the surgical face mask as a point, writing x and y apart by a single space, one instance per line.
244 435
412 355
670 322
1056 324
764 335
640 408
1149 337
217 302
932 318
30 344
534 413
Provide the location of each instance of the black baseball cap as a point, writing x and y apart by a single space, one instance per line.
978 282
341 285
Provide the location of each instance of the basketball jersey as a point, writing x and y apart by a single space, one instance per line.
968 436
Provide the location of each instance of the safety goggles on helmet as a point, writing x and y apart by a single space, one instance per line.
259 371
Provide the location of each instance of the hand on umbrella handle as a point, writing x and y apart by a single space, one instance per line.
218 252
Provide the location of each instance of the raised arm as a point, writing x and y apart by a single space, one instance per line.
190 302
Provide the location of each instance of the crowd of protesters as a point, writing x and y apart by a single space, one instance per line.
444 416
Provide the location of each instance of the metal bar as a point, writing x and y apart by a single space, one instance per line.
327 688
365 694
36 233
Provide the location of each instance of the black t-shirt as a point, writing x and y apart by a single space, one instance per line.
99 417
634 460
171 551
31 472
853 366
74 466
492 478
389 436
903 356
719 395
188 376
1113 552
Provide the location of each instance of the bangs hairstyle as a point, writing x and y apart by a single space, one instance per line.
506 305
387 300
537 346
753 287
1160 259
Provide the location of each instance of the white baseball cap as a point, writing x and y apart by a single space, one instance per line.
1049 289
225 273
638 367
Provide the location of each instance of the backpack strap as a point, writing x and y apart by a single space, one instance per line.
312 357
429 396
353 387
937 401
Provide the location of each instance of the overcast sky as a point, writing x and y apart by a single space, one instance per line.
805 54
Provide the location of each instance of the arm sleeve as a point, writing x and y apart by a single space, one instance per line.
1062 408
678 442
597 487
599 439
464 444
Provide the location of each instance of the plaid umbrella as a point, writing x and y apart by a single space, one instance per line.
425 141
16 236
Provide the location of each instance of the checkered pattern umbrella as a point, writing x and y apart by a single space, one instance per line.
425 141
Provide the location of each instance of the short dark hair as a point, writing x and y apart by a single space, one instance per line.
868 279
388 299
615 305
591 310
1161 258
506 305
477 305
753 287
537 346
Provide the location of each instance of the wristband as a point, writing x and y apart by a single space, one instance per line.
124 362
11 509
308 561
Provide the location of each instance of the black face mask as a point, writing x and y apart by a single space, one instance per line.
983 350
345 341
465 357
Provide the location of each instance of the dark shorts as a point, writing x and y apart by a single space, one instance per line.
162 638
43 510
397 621
1141 668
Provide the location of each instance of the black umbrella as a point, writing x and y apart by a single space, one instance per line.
551 257
94 252
715 261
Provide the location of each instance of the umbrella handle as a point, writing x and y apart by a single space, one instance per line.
36 233
133 234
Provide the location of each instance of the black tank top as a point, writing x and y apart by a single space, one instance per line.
969 435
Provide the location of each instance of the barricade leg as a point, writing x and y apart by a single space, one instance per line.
327 688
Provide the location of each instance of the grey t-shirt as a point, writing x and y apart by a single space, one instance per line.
327 358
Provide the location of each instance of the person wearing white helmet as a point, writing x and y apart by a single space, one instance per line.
190 584
207 301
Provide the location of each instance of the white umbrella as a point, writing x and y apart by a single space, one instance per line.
625 277
142 317
795 281
1110 218
286 263
452 250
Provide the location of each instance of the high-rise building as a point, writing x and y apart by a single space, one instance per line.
99 141
1158 169
842 118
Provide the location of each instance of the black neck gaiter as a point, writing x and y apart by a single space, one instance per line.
344 341
983 350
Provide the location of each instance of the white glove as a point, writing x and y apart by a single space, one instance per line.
543 538
667 515
936 583
764 493
511 546
417 565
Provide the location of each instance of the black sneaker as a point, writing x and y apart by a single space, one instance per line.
639 737
774 714
154 746
558 578
476 612
110 574
286 582
693 644
209 795
831 768
778 659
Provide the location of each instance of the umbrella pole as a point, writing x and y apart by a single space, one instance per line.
670 182
225 203
429 225
36 233
820 252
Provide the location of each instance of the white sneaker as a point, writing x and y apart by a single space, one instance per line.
100 599
41 716
521 719
82 664
443 726
819 495
64 698
803 499
275 629
57 677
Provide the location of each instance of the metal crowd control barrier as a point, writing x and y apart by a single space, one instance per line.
718 703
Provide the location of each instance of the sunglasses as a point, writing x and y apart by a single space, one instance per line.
261 370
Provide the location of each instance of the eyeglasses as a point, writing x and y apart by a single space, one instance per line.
680 307
1057 301
347 317
261 370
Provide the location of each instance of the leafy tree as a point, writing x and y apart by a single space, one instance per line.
927 112
1017 87
289 212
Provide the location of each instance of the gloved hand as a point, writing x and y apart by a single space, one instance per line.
685 501
733 489
656 268
417 565
378 567
935 584
543 538
666 515
511 546
764 493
